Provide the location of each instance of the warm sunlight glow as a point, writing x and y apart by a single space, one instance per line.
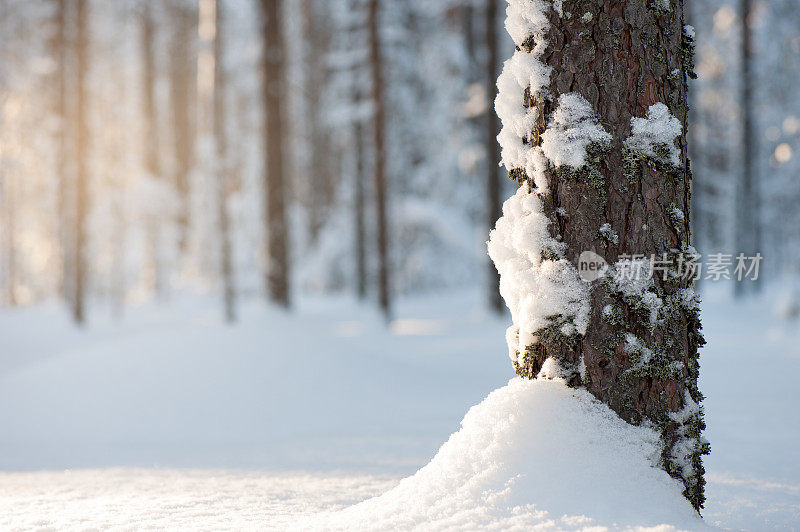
783 153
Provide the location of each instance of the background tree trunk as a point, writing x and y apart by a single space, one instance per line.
623 58
60 53
277 228
494 205
9 228
183 73
152 156
223 165
358 81
360 236
320 164
151 145
748 200
376 64
82 170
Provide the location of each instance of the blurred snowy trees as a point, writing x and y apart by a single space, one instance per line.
772 207
155 191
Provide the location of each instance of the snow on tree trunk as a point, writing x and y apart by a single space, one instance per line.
593 108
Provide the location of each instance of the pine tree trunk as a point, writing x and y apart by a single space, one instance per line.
360 167
320 160
637 351
379 124
152 159
82 170
223 165
277 229
360 236
182 102
60 49
8 232
494 205
748 211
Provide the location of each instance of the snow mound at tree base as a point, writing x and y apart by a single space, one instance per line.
534 454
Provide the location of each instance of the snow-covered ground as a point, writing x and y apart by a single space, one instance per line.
170 418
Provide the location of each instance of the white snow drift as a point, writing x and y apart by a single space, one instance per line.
533 455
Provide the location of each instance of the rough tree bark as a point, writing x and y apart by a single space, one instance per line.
379 130
82 163
494 205
277 278
622 58
223 164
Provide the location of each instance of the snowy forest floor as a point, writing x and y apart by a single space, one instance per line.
170 418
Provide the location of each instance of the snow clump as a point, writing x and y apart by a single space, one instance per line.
535 289
658 128
572 128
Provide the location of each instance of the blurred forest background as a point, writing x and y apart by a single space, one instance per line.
248 148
